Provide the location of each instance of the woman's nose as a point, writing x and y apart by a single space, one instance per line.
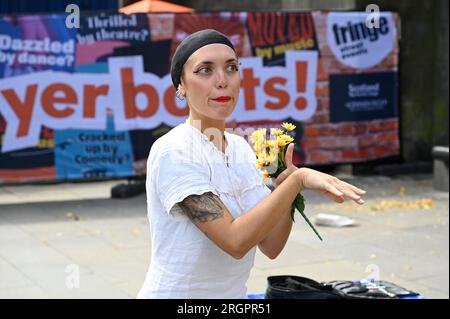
222 80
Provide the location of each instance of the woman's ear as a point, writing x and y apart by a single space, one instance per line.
180 93
181 89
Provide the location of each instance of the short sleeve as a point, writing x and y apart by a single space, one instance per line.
175 176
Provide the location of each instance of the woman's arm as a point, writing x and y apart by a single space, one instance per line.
273 244
238 236
262 221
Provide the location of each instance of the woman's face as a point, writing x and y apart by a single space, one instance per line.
211 81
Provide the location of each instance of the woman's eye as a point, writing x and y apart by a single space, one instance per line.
204 70
232 68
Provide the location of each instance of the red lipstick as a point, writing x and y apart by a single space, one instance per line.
222 99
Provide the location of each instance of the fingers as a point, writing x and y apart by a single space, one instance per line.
349 191
283 175
337 199
354 188
353 196
332 186
289 154
280 178
334 193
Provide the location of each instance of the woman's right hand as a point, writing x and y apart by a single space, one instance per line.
329 185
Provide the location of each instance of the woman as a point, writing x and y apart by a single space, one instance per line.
208 207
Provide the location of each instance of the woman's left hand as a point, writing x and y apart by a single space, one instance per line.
318 178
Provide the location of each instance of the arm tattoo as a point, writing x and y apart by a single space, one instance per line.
202 208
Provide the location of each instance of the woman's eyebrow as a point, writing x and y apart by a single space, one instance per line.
210 62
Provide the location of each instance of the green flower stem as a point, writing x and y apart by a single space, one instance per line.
299 203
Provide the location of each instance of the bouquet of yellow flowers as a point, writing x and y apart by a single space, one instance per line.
270 158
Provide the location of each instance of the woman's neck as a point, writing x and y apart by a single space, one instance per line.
213 129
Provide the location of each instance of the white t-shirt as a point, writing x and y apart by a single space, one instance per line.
184 262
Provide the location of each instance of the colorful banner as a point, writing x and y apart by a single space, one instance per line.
273 34
362 97
356 45
89 102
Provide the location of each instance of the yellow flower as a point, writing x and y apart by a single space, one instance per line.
258 138
288 126
259 164
281 142
275 131
258 135
284 139
287 138
270 157
272 146
262 158
257 148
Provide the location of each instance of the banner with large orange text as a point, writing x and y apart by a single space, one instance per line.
89 102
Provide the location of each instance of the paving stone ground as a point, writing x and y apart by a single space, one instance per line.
72 240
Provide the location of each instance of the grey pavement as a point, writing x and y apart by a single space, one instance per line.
71 240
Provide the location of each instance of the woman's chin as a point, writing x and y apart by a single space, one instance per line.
219 117
224 115
220 113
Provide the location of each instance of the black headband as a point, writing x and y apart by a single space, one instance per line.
191 44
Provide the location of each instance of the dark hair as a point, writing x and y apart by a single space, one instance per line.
191 44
